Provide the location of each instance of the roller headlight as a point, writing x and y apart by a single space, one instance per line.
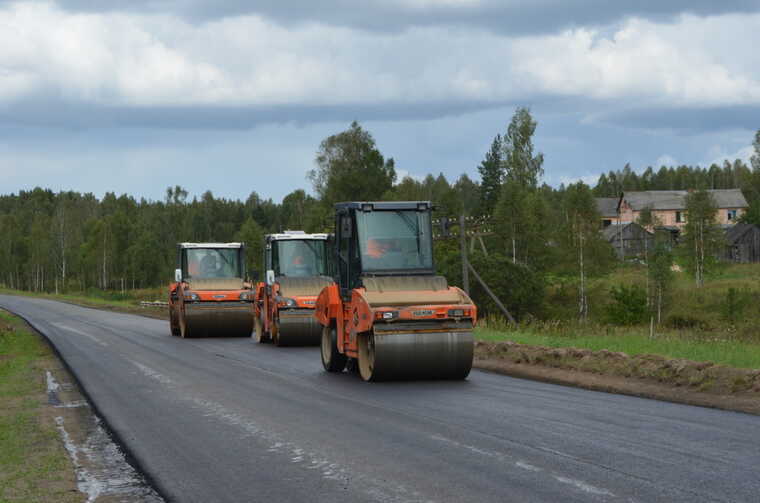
247 296
458 313
386 315
286 302
191 296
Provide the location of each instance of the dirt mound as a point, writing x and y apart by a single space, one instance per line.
678 380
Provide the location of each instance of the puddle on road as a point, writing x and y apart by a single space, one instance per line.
102 471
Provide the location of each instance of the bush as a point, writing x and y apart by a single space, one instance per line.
732 308
518 287
681 321
114 295
628 306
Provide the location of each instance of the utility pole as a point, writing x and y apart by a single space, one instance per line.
463 252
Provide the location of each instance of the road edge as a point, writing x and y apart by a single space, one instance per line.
130 457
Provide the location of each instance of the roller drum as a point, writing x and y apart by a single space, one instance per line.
218 319
298 327
387 356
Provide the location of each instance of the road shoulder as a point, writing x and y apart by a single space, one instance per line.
646 376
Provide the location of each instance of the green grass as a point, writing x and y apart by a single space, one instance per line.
636 341
704 307
33 463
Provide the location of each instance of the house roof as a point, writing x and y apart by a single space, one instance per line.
675 199
612 231
607 206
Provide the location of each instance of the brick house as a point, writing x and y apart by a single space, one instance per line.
669 206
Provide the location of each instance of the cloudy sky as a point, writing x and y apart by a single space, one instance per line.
235 96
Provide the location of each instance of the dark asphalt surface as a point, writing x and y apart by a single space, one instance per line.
230 420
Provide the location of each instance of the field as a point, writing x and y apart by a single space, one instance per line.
706 324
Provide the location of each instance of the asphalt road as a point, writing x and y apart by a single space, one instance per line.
231 420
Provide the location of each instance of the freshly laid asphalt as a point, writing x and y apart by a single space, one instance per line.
231 420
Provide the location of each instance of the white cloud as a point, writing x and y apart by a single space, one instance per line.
402 173
568 180
693 62
160 59
665 160
719 155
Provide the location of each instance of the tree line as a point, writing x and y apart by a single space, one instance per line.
69 241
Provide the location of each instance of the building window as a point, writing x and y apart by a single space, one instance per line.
679 217
731 215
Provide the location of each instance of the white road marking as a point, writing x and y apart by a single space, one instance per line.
76 331
526 466
583 486
149 372
329 470
578 484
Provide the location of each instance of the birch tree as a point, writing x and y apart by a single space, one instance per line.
648 220
702 237
580 233
659 270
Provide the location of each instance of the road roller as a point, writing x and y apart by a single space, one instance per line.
297 267
389 315
210 295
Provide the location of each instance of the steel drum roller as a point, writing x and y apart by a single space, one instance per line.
218 319
298 327
385 356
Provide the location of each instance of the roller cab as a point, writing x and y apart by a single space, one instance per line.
388 314
297 266
210 295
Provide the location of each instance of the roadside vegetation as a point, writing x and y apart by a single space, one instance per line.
716 323
34 466
632 341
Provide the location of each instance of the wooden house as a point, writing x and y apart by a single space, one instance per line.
742 243
628 240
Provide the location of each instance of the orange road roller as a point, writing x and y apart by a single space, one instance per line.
388 315
297 268
210 295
